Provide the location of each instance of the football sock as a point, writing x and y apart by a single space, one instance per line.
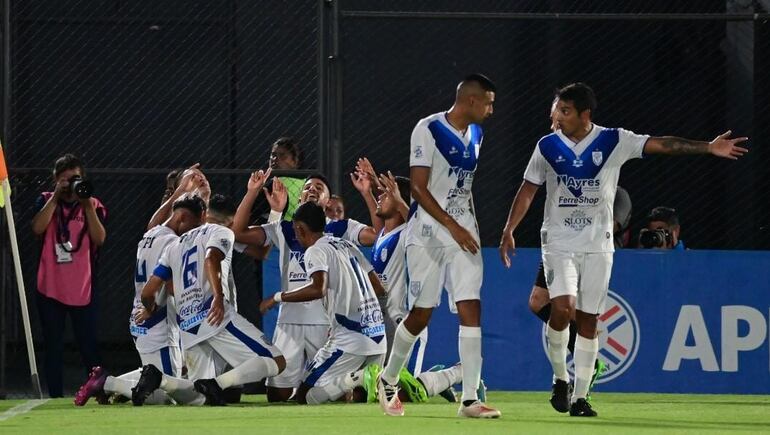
181 390
353 380
557 352
327 393
469 344
253 370
119 385
585 355
402 347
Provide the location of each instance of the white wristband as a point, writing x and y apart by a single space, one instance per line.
277 297
275 216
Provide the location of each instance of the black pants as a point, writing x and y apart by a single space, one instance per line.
52 315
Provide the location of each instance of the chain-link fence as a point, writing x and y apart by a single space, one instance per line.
660 68
139 87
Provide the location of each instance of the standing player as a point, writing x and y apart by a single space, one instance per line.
302 329
339 275
580 164
199 264
442 241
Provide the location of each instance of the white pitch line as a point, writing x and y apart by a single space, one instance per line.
21 409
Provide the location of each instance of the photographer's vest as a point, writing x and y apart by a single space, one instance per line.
68 282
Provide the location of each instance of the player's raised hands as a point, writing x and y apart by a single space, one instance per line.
507 244
191 179
364 165
388 185
278 197
216 312
361 181
723 146
258 179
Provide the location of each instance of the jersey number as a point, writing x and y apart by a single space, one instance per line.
190 271
141 271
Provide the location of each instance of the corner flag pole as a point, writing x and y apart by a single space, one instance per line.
6 188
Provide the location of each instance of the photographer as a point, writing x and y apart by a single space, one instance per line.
662 230
70 224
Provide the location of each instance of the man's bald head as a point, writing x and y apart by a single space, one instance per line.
475 97
474 85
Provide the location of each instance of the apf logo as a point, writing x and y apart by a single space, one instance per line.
618 338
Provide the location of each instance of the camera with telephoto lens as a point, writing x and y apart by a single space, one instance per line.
83 188
659 238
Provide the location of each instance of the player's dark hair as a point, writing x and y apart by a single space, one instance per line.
318 176
664 214
581 95
292 147
222 205
404 188
483 81
65 162
192 203
311 215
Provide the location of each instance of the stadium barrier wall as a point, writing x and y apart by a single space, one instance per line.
675 321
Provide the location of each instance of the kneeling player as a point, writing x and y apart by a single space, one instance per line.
199 264
341 276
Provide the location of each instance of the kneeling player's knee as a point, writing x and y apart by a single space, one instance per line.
280 361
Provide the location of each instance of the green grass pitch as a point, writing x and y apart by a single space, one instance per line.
525 413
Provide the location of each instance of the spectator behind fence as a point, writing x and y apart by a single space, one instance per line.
287 155
70 223
621 210
662 231
335 208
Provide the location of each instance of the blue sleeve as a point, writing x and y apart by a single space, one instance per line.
162 272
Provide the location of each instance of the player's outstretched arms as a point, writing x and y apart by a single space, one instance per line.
419 176
519 207
363 181
722 146
278 197
389 185
254 235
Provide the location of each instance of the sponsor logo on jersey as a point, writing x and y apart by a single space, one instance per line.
571 201
453 150
578 220
577 163
560 159
619 334
461 174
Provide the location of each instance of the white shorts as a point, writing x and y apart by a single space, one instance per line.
299 344
236 343
431 269
331 363
583 275
167 359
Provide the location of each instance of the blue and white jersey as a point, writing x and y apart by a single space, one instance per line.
355 315
452 159
184 262
389 262
581 180
160 330
292 263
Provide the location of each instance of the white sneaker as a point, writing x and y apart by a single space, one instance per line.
389 407
477 409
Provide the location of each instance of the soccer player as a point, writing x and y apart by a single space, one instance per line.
199 263
442 241
339 275
157 338
580 164
302 329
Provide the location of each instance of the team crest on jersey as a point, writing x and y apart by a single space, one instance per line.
418 152
225 243
597 157
384 254
618 338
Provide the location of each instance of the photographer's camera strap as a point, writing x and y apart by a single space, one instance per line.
63 233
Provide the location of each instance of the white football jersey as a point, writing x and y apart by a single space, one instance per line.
160 330
581 180
184 262
355 315
292 264
389 261
452 159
